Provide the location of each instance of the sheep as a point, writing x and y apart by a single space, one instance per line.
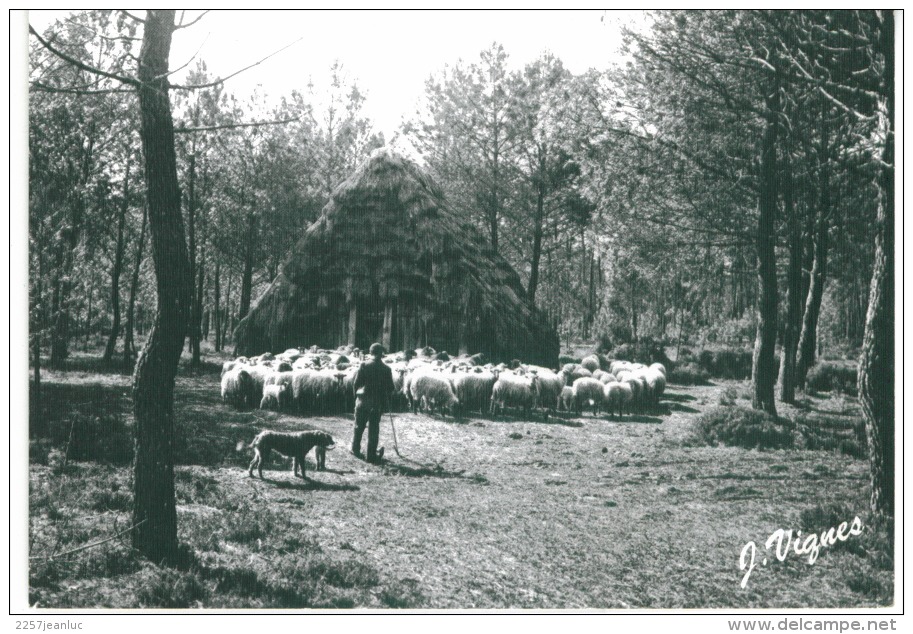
617 395
658 367
514 390
566 398
228 366
324 390
572 372
656 383
590 362
278 365
237 386
598 374
400 372
473 389
431 389
617 366
637 390
259 374
607 377
274 396
290 353
587 390
549 385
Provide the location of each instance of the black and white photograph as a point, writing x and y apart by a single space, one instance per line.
415 311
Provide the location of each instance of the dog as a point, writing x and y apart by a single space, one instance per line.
295 445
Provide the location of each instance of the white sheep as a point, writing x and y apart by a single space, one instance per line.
229 366
431 389
607 377
656 382
566 399
587 391
572 372
618 366
514 390
312 388
549 385
274 396
473 389
637 389
590 362
617 396
658 367
237 386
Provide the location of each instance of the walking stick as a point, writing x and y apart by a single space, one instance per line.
395 444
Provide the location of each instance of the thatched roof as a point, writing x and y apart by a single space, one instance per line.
387 233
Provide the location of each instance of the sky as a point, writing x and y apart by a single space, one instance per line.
389 53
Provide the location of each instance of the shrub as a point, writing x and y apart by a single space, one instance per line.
647 350
728 396
832 377
729 364
688 374
102 438
604 345
826 433
741 427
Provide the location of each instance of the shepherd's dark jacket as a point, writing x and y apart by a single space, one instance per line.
374 383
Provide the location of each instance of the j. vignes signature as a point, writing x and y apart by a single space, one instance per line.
785 541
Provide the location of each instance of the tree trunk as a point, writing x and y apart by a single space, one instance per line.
115 273
154 516
353 323
808 339
38 307
763 369
129 350
247 277
226 315
88 323
196 326
787 379
537 233
217 307
387 337
876 365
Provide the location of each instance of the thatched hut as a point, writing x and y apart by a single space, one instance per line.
388 261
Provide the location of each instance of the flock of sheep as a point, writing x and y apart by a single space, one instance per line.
320 381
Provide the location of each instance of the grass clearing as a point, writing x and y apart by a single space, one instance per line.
564 512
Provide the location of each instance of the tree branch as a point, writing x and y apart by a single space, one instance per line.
72 60
231 126
132 17
237 72
192 22
37 85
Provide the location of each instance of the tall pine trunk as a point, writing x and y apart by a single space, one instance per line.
116 271
787 379
876 365
537 234
196 325
129 350
247 277
217 307
808 338
763 367
154 514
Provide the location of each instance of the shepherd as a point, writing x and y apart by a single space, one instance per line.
373 391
